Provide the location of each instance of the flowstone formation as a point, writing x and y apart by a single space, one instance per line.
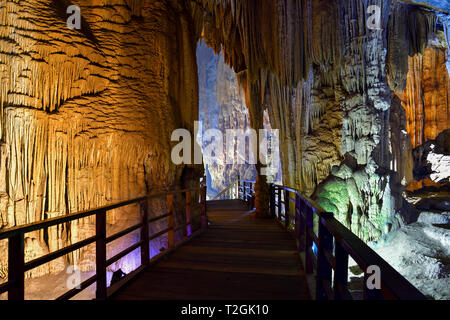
222 108
81 113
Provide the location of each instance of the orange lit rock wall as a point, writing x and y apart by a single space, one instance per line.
426 98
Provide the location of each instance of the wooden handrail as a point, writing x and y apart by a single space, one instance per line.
335 244
16 254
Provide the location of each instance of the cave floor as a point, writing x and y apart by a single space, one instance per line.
239 257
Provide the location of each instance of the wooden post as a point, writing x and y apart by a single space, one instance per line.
272 200
145 248
341 272
324 269
308 239
170 220
188 214
287 206
100 253
203 205
16 267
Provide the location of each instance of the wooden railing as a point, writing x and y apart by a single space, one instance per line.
335 244
17 267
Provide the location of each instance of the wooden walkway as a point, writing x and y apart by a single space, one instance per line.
239 257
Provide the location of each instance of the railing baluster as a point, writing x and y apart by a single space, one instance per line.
370 294
16 267
188 214
341 272
241 193
245 191
145 248
100 253
279 204
287 206
170 220
252 195
324 269
308 239
299 224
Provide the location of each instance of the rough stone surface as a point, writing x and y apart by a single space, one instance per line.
87 115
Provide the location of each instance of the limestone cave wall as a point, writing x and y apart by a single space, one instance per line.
328 79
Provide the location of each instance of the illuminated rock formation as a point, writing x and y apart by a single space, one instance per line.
222 107
293 59
87 115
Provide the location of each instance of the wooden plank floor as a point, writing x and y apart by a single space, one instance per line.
239 257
